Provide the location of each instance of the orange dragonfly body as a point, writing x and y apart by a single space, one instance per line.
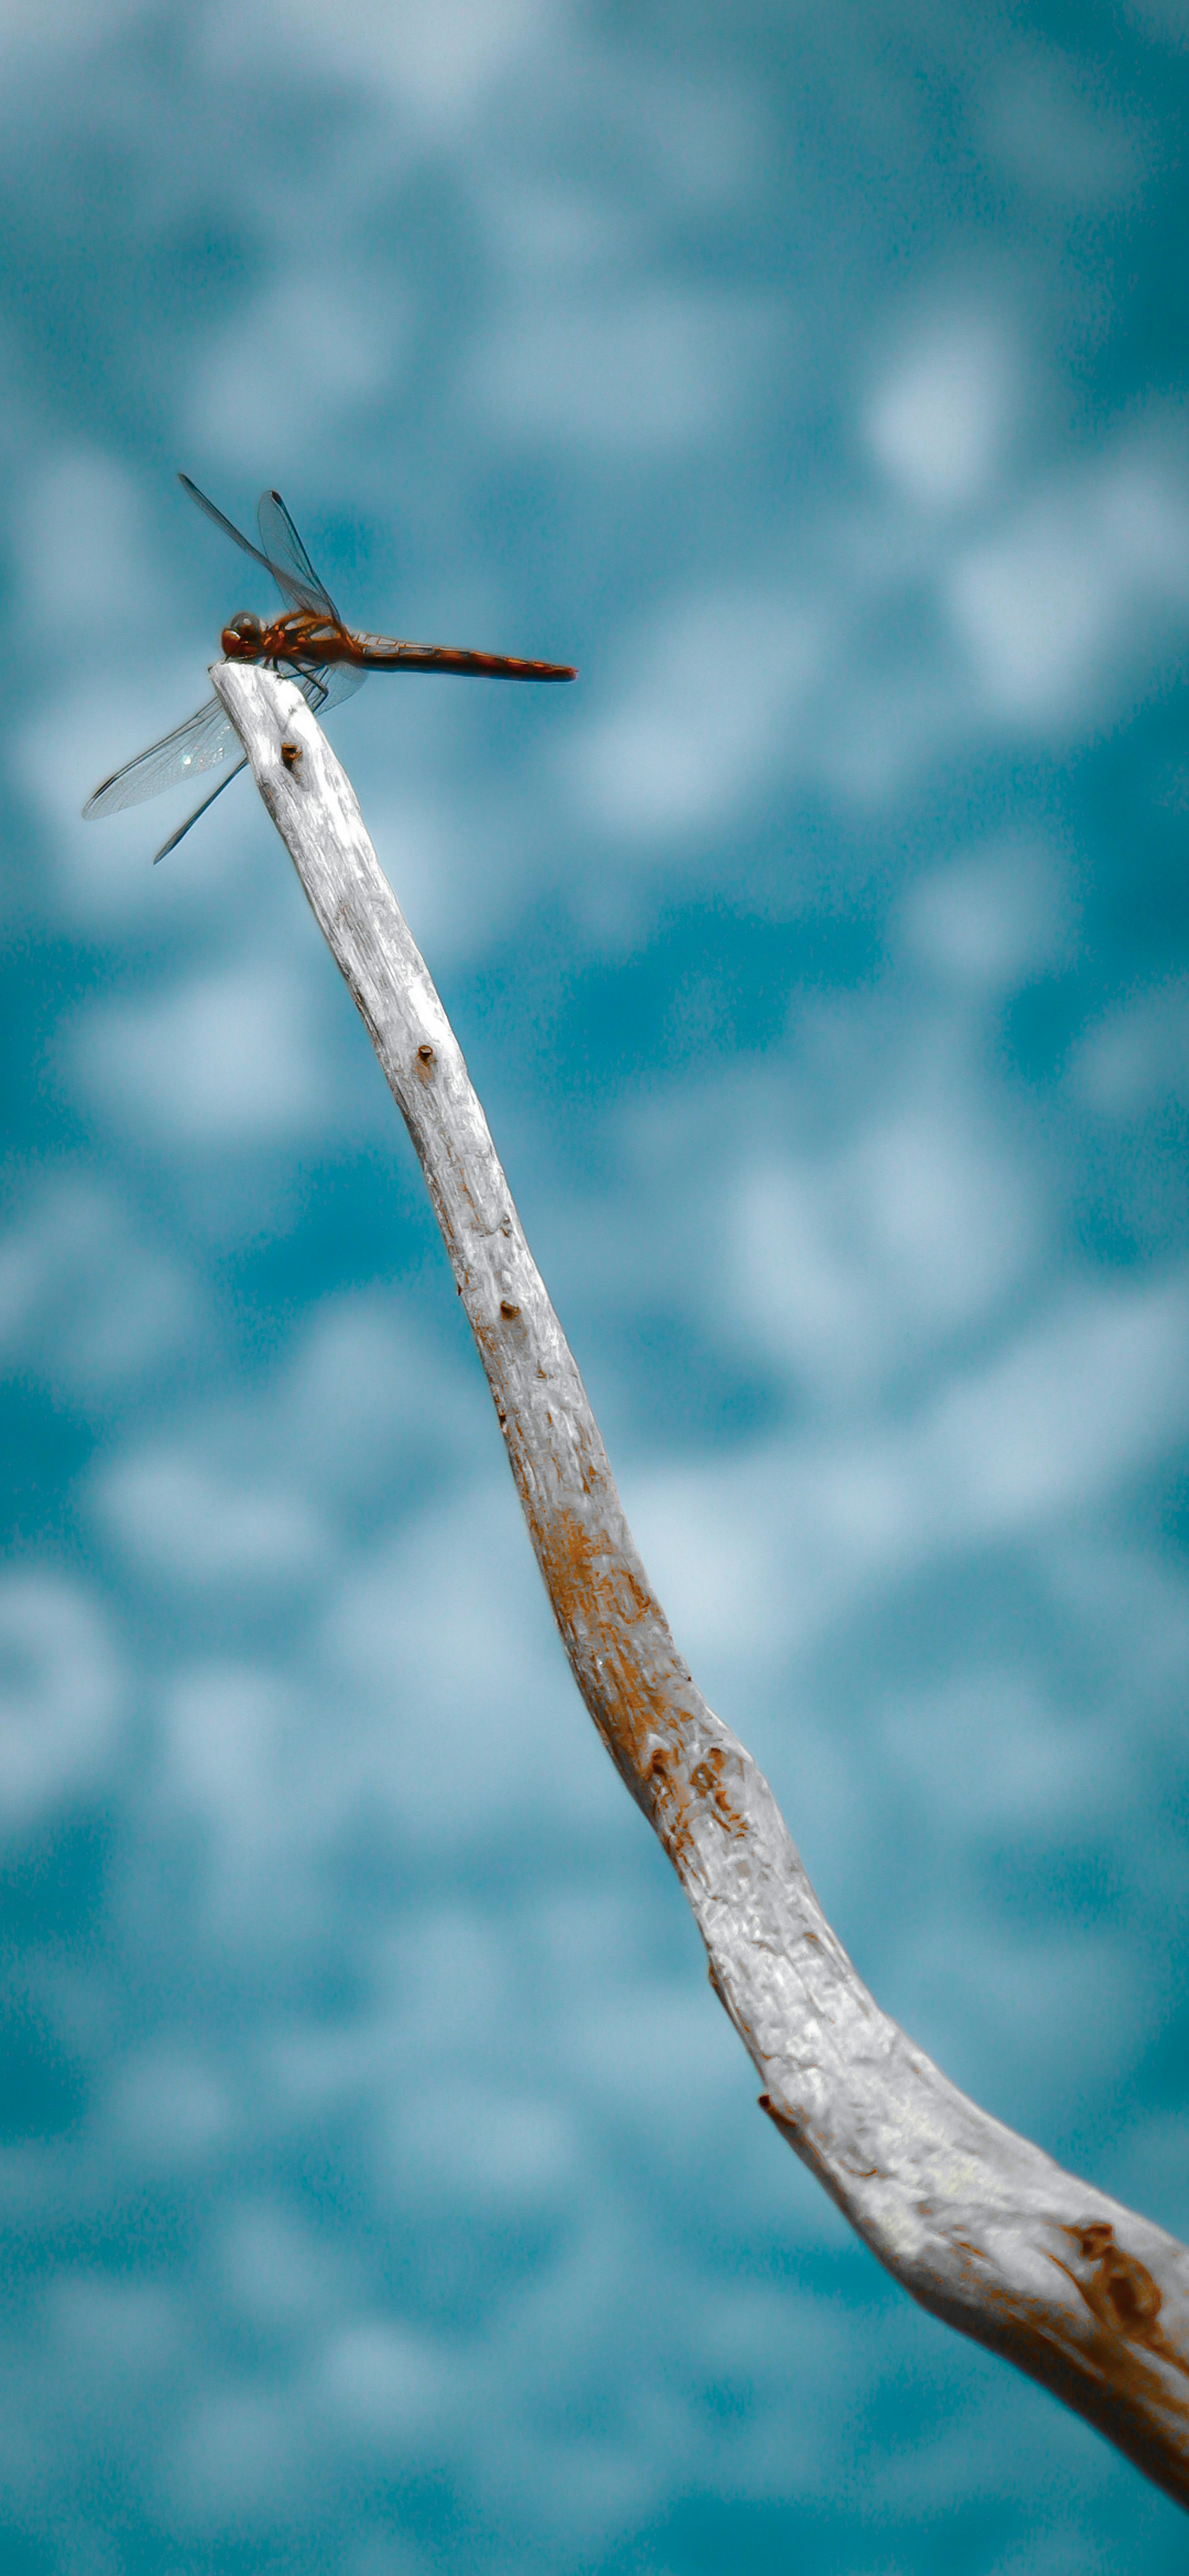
327 660
303 638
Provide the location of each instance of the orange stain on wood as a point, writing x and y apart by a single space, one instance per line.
614 1631
706 1778
1119 2291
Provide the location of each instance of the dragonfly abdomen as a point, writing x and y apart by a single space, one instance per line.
385 653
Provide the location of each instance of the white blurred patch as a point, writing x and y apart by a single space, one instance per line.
990 1754
198 1521
1049 609
705 148
385 2553
1090 1396
462 1711
646 369
716 708
254 1776
703 144
84 1299
453 902
243 2454
1167 20
83 555
847 1267
451 1971
1133 1607
170 2108
278 2273
878 724
310 348
467 2144
663 2054
993 920
1068 2546
548 225
228 1733
1138 1055
116 2327
939 422
1052 128
763 1553
1061 2008
1154 2155
30 40
385 2383
438 64
368 1394
230 1059
60 1685
1037 613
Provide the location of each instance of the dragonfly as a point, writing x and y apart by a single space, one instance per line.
328 660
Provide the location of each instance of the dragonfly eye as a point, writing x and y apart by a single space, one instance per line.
241 639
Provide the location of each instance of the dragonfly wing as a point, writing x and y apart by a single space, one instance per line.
328 685
203 742
287 555
296 590
237 538
325 687
183 828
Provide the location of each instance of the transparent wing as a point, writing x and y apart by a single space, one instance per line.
294 587
321 689
203 742
183 828
287 555
327 685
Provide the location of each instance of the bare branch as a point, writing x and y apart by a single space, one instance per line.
976 2223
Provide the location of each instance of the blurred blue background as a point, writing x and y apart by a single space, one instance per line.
383 2188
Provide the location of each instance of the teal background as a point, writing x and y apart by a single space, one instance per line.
383 2189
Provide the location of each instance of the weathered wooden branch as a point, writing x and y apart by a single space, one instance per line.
976 2223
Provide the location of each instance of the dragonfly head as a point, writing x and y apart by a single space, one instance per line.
241 640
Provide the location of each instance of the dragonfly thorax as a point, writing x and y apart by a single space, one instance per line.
241 640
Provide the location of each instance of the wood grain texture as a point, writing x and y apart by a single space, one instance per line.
977 2223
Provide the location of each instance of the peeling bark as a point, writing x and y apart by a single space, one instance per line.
978 2224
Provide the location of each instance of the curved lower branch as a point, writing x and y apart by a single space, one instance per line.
975 2222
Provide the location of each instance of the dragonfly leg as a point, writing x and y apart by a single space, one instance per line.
312 689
